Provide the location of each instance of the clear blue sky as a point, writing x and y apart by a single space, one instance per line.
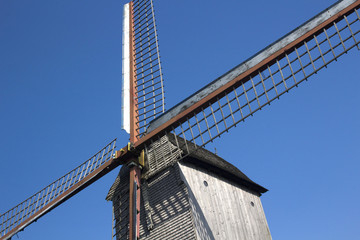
60 84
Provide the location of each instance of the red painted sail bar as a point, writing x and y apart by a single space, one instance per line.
149 85
222 108
17 218
261 79
135 171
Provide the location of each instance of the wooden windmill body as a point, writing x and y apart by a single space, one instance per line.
200 197
170 187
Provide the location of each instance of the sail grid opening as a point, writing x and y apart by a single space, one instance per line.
149 80
44 200
262 86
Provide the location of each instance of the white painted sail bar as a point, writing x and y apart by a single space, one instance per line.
125 93
251 62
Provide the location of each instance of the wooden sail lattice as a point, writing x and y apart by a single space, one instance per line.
258 86
43 201
150 100
225 103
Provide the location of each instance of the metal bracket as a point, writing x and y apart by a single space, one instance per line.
138 159
141 158
130 147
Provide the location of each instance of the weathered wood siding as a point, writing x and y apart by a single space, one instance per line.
222 209
175 203
169 208
120 199
165 211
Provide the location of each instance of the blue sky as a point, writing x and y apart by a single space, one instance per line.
60 87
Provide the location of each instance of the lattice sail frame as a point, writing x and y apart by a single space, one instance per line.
255 88
150 100
49 197
258 88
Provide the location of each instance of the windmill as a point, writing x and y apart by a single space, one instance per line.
200 144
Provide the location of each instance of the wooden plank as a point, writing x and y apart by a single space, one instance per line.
222 202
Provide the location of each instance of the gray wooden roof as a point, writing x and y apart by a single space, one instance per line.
211 161
200 157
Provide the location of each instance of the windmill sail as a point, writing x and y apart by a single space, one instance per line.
212 110
142 74
257 82
20 216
